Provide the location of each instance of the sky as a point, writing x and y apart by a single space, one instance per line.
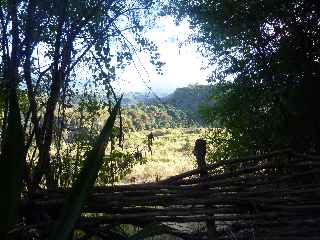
183 64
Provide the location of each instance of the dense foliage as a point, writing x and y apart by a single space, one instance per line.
190 99
266 59
51 53
179 109
148 117
57 62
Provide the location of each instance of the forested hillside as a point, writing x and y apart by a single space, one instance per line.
190 99
179 109
148 117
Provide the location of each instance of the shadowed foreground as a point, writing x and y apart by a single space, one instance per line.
273 196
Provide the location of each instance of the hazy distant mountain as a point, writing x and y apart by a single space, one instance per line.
189 98
179 108
133 98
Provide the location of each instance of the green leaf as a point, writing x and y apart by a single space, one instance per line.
84 182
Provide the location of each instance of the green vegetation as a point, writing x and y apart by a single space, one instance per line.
179 109
266 58
45 137
190 99
265 63
171 153
148 117
85 181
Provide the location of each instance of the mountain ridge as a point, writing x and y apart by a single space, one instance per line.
178 109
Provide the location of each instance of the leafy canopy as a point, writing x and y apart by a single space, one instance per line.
270 50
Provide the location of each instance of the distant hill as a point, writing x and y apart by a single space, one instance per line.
148 117
189 99
179 109
133 98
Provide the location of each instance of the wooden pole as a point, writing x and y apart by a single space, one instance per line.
200 154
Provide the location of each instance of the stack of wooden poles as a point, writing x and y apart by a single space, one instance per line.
271 196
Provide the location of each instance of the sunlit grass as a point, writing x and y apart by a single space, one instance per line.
171 153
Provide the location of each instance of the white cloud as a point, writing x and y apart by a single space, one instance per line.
183 64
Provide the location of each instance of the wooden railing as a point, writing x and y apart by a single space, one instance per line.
272 196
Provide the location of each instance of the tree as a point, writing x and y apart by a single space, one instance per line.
45 45
267 53
64 35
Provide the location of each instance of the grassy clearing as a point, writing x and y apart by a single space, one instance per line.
171 153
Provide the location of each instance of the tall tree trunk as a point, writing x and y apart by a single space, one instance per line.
12 152
43 165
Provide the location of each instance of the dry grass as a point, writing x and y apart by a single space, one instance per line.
172 153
